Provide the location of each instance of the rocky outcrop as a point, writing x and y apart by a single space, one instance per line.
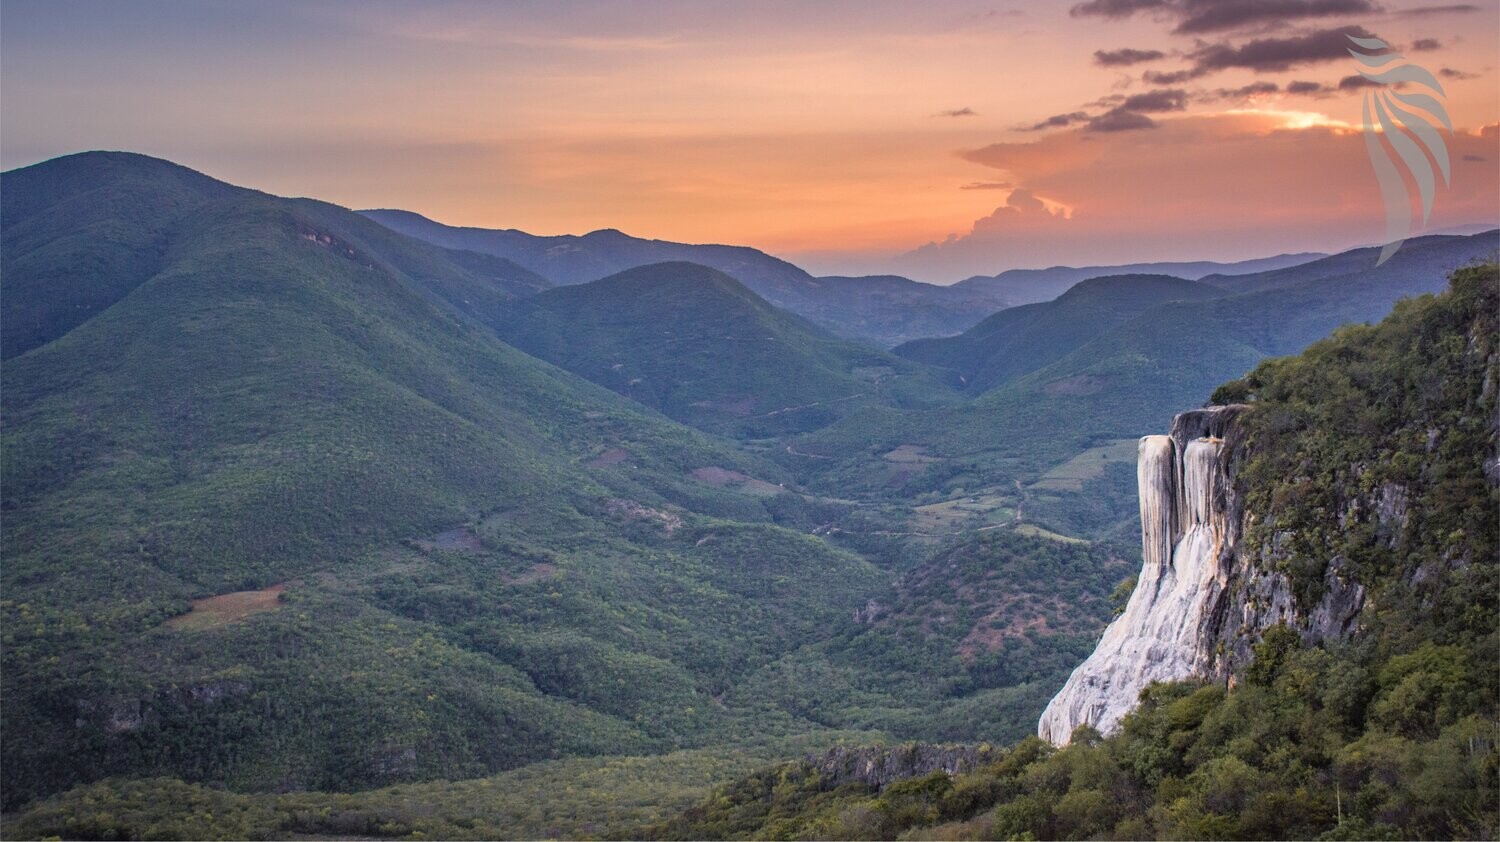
878 766
1201 599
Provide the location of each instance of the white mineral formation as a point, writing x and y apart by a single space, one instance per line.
1159 637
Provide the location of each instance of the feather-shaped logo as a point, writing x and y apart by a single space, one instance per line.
1407 122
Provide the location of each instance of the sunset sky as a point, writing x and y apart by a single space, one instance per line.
936 141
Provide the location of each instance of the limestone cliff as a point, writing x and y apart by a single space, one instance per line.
1200 600
879 766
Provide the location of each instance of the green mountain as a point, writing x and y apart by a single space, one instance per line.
887 310
1175 352
1388 735
1021 339
1433 257
698 346
1029 286
282 513
298 543
882 310
1123 382
80 238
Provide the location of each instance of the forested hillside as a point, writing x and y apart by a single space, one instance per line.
697 345
294 536
285 514
1022 339
1390 735
1121 381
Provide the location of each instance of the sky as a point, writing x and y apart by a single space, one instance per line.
936 140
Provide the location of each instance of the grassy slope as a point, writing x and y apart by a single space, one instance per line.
698 346
294 394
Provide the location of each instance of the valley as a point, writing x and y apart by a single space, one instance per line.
710 420
321 528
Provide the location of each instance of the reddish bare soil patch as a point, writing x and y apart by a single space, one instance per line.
613 456
1018 615
725 478
718 477
761 488
213 611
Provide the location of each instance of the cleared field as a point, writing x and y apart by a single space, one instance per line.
1038 532
725 478
952 515
1072 474
214 611
911 454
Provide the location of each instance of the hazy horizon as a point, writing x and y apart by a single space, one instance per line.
934 143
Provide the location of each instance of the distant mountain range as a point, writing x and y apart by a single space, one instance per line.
1026 286
883 310
1106 361
294 501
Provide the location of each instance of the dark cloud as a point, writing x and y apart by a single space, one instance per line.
1115 8
987 185
1266 55
1153 101
1252 89
1126 114
1171 77
1057 121
958 112
1125 56
1450 73
1204 16
1424 11
1201 17
1348 84
1426 45
1120 120
1354 83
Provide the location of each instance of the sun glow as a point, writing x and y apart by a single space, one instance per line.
1296 119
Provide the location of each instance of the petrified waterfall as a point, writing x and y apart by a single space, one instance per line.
1185 536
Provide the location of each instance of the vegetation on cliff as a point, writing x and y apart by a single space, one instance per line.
1392 734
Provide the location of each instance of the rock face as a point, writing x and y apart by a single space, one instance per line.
877 766
1198 606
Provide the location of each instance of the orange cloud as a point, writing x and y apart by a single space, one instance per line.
1230 184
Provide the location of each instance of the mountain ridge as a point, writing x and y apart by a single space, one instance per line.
702 348
904 309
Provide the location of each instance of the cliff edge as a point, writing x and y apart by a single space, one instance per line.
1201 600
